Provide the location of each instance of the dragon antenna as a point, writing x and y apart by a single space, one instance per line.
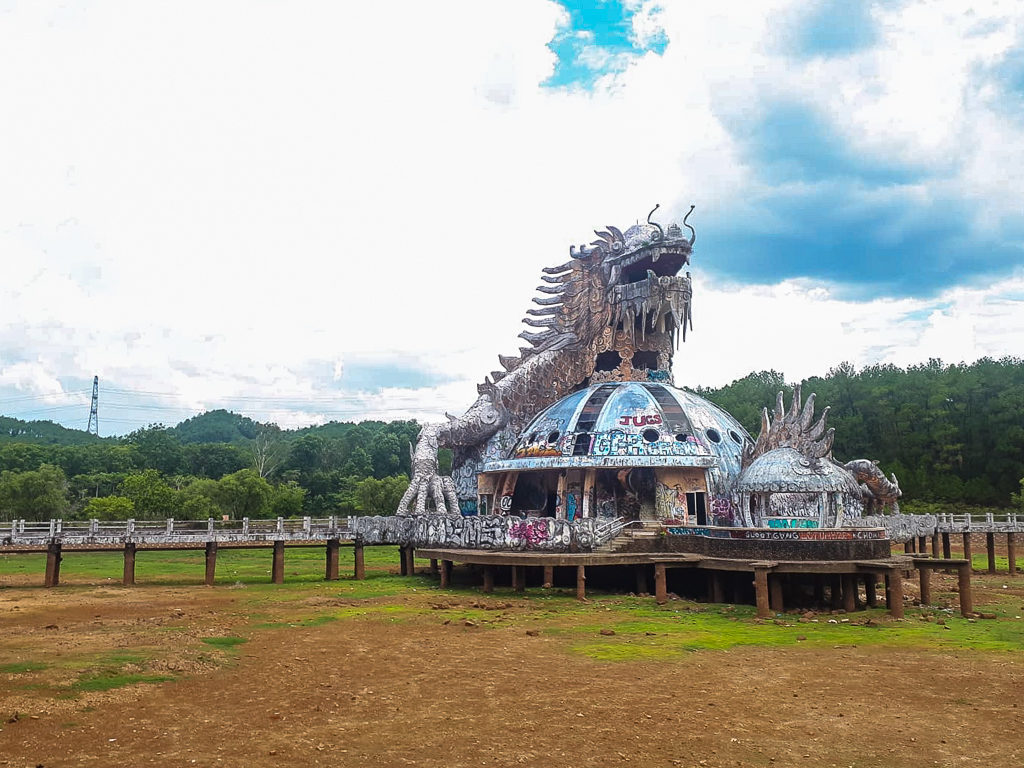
661 232
693 233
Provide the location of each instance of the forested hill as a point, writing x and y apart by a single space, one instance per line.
44 432
950 432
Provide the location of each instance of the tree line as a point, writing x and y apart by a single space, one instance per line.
217 463
953 434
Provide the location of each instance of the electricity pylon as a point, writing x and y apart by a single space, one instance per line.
94 415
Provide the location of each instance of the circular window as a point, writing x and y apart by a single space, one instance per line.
651 435
713 435
682 437
553 436
735 437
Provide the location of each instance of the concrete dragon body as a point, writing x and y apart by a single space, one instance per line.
614 312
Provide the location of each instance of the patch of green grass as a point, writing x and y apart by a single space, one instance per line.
302 565
226 642
19 668
109 679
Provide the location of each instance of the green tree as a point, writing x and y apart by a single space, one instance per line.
109 508
380 497
39 494
153 498
244 494
287 499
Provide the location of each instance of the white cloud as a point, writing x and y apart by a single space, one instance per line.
221 199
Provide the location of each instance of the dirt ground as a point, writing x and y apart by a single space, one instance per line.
382 690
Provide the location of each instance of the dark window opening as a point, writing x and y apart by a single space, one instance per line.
713 435
592 408
553 436
675 419
608 361
581 444
651 435
681 437
696 506
647 361
735 436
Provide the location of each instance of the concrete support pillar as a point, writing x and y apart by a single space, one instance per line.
775 601
333 555
990 547
870 590
446 574
277 572
53 558
836 591
641 579
908 546
581 582
660 584
894 594
964 585
359 569
519 578
761 593
403 562
488 579
717 587
946 551
211 563
410 561
935 543
1011 554
926 585
849 592
922 544
128 579
549 577
967 546
433 566
589 481
819 589
911 545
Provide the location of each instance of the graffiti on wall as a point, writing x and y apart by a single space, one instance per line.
618 443
777 535
498 532
790 522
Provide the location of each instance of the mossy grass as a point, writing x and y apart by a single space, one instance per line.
22 667
106 680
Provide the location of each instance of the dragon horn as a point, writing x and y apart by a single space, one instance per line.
693 232
661 232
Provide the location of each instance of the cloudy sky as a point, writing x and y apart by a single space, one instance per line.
307 211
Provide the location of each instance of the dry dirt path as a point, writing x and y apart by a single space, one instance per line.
383 692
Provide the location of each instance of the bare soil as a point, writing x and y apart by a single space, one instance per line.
383 690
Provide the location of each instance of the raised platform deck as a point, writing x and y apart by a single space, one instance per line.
845 575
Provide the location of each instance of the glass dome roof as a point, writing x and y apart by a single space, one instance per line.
628 424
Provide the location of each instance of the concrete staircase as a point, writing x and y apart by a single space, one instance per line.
638 531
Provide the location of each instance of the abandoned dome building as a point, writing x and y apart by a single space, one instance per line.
580 452
586 423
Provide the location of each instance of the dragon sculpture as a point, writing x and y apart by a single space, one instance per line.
615 311
796 428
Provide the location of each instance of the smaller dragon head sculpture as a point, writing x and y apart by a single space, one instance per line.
794 429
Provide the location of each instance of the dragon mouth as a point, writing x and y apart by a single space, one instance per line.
662 261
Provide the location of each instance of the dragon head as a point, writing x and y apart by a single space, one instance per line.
627 280
642 251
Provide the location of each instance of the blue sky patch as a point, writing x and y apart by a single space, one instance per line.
833 28
791 142
597 41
